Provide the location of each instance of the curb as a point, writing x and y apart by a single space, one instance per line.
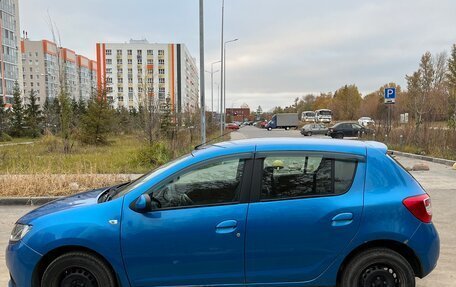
31 201
425 158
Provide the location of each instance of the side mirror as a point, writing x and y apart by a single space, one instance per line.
143 204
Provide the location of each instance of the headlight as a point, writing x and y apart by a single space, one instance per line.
19 231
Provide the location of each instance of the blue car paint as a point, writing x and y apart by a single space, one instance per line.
181 242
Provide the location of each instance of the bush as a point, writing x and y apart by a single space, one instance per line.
51 142
4 137
153 155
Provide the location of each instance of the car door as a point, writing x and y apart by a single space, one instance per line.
197 235
306 208
356 129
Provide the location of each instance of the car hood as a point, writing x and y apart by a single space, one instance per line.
74 201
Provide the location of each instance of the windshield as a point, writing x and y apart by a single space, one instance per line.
325 113
146 177
309 114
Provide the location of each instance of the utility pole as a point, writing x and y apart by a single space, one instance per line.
224 76
221 71
202 89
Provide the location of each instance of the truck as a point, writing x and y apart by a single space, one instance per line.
283 121
308 116
323 116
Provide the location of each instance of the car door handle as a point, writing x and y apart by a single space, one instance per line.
342 219
226 226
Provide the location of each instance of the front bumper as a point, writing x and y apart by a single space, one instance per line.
21 261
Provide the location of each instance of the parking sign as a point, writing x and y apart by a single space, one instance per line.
390 95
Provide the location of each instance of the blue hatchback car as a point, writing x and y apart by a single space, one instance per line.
259 212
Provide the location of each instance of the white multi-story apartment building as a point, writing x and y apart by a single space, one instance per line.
10 63
131 71
41 71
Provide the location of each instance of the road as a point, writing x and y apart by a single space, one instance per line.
440 182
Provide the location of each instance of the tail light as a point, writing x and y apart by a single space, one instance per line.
420 207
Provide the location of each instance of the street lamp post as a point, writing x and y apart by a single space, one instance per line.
202 90
221 69
224 77
212 72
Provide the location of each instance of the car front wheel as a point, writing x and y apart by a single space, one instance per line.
378 267
77 269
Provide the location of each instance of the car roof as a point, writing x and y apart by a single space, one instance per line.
290 144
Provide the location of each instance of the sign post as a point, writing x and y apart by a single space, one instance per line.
390 99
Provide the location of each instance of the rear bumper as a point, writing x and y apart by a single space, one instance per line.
21 261
426 244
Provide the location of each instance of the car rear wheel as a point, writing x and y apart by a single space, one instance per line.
287 128
269 129
378 267
77 269
339 136
309 133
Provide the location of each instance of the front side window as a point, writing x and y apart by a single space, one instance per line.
214 183
299 176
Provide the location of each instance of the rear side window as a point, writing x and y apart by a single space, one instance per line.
300 176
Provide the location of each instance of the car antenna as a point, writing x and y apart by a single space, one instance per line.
211 140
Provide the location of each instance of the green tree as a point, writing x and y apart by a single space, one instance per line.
97 121
51 116
4 120
451 80
65 119
33 116
346 103
17 120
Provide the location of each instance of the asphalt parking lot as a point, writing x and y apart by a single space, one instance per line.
440 182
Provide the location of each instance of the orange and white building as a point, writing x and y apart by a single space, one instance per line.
132 71
45 66
10 64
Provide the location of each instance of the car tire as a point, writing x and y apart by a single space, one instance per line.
339 136
309 134
78 267
376 266
287 128
269 129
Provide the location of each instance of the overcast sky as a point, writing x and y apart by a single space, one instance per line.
286 48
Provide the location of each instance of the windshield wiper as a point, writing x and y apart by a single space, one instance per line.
112 191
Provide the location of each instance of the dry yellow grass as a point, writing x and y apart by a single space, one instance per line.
31 185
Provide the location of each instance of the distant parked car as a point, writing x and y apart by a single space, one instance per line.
347 129
366 121
314 129
232 126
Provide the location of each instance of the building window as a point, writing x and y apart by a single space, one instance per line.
150 52
161 52
109 80
120 80
140 80
120 89
108 70
31 77
139 52
161 71
120 99
120 70
119 61
161 61
140 90
108 52
161 80
130 61
31 70
129 52
130 80
139 61
150 61
150 80
130 71
119 52
108 61
139 71
109 89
